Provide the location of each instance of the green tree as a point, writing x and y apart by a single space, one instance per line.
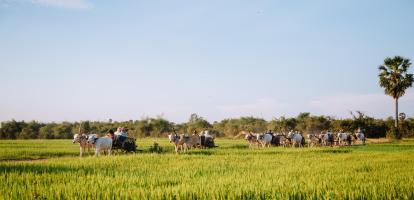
160 126
317 124
256 125
283 125
145 127
303 121
230 127
46 132
197 123
11 129
85 127
63 131
395 79
30 131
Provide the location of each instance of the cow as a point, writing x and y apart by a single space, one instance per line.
296 139
82 139
184 142
344 139
192 141
251 138
284 141
277 139
327 139
313 140
178 144
264 139
101 144
359 136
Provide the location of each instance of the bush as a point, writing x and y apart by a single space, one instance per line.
156 148
394 133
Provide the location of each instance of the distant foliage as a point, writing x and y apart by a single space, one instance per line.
159 127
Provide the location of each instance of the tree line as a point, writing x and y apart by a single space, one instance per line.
159 127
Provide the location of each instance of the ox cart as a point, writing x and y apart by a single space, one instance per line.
207 142
124 144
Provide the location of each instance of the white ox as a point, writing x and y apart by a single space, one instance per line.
101 144
284 141
295 138
251 138
265 140
359 136
313 140
344 139
327 139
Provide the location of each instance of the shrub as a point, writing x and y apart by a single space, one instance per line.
156 148
394 133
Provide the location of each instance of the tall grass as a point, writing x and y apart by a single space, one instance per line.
232 171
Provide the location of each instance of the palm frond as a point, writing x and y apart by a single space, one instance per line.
393 76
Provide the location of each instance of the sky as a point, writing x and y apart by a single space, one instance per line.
70 60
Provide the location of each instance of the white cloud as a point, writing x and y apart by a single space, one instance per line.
68 4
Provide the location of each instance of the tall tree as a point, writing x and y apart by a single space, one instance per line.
395 79
197 123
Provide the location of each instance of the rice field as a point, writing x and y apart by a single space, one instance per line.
51 169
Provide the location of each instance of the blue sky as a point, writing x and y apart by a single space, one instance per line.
95 60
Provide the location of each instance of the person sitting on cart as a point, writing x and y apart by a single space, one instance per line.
121 136
111 134
207 135
124 132
208 140
118 131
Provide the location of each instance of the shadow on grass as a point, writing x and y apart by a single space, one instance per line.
273 153
258 152
336 151
364 168
38 156
166 183
201 153
238 146
43 169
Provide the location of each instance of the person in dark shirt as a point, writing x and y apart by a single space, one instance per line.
111 134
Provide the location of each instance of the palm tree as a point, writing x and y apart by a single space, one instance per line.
395 79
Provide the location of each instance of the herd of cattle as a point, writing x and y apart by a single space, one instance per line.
184 142
296 139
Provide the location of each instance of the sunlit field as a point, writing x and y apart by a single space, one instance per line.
52 169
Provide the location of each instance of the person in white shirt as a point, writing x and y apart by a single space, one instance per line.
207 135
124 132
118 131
